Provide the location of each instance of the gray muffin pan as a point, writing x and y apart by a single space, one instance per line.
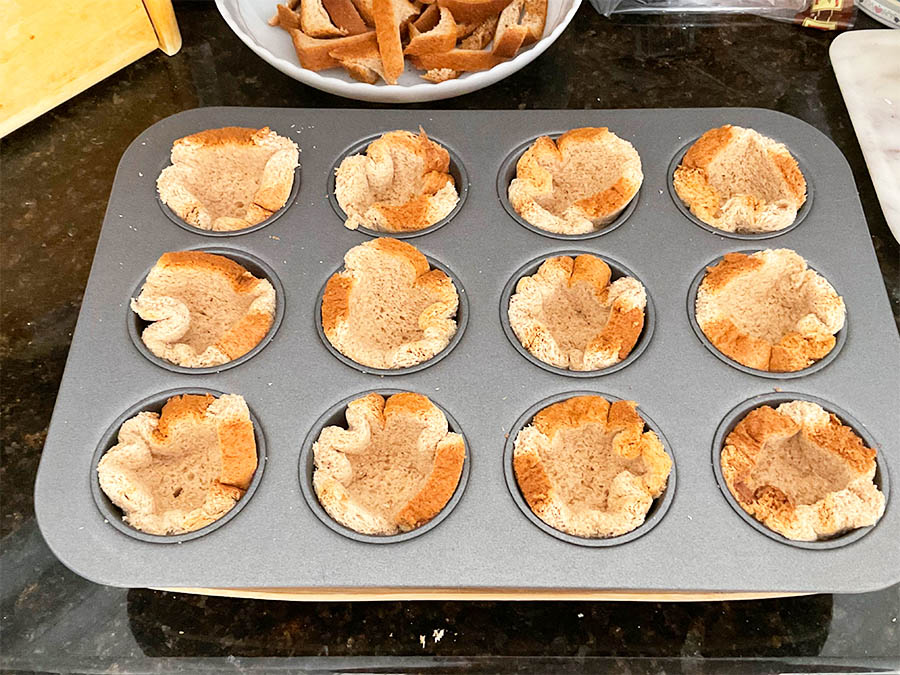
694 540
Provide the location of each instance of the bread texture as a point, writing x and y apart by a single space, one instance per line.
569 316
205 309
801 472
229 178
387 308
587 467
738 180
769 311
402 183
578 184
393 468
183 469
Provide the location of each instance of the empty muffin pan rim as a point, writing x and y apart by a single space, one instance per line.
359 147
114 516
741 410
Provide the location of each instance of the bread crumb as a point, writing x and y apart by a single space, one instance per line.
141 174
422 641
778 389
438 634
580 615
272 236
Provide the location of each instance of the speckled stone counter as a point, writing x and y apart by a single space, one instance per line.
56 176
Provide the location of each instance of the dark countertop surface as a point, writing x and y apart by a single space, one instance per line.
56 176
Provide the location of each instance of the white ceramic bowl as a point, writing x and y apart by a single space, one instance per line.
249 20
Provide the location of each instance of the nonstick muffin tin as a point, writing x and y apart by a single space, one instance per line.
696 540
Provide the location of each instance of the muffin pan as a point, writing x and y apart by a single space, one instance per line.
698 542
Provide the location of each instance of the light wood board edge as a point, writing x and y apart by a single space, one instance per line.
162 16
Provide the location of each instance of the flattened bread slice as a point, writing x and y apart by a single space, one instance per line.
738 180
588 468
801 472
402 183
183 469
578 184
569 316
392 469
206 309
387 308
769 311
229 178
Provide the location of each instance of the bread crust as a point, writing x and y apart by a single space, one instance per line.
533 192
150 441
473 11
315 54
771 453
439 457
438 38
166 307
362 264
765 202
642 467
623 303
810 330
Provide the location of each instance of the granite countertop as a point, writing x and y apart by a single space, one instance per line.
57 174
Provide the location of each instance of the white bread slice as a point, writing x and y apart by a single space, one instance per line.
473 11
402 183
315 54
393 468
569 316
801 472
588 468
315 22
578 184
439 38
738 180
229 178
345 16
391 16
183 469
768 310
387 308
206 309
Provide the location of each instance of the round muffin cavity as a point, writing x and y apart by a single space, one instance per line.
737 180
801 472
388 309
184 468
230 178
769 311
577 184
587 467
204 309
393 468
401 184
570 316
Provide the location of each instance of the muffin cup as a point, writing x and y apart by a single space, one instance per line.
657 510
113 515
736 414
508 171
336 416
457 170
252 264
618 271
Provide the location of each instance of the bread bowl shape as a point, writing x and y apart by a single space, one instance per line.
737 180
204 309
230 178
801 472
393 468
577 184
570 316
184 468
768 310
387 308
401 184
586 466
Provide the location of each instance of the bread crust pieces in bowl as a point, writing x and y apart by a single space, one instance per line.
578 184
387 308
587 467
205 309
230 178
401 184
801 472
737 180
568 315
183 469
393 468
769 311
